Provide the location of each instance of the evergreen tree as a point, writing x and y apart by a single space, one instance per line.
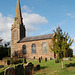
61 43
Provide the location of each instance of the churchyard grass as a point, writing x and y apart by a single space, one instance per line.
51 68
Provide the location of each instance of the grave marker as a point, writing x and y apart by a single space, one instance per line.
19 70
29 69
9 71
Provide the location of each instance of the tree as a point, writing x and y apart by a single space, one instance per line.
70 52
61 43
5 50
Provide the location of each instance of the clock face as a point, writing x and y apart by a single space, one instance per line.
15 34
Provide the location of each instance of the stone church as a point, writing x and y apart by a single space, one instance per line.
30 47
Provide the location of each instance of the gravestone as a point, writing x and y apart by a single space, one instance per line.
37 67
19 70
9 71
8 62
50 58
29 69
25 60
39 60
56 60
45 59
41 57
34 57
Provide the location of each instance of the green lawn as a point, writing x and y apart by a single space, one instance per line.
51 68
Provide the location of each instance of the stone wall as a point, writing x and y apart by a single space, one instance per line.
38 49
2 62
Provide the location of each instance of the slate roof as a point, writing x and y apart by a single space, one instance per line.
34 38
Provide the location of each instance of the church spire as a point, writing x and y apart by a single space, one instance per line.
18 16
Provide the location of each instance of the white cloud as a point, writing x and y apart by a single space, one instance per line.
5 26
33 19
73 39
68 14
5 23
73 50
31 22
26 8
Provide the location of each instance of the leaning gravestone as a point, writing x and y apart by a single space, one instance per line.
41 57
19 70
39 60
29 69
25 60
9 71
45 59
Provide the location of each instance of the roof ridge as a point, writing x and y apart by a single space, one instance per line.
38 35
35 38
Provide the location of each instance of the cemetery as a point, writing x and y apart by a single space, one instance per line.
38 67
48 54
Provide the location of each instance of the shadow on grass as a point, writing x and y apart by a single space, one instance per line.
1 73
70 65
40 68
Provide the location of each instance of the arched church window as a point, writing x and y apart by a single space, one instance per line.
33 48
24 49
44 48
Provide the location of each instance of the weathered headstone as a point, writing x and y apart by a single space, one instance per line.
39 60
29 69
50 58
9 71
8 62
56 60
19 70
45 59
34 57
41 57
25 60
37 67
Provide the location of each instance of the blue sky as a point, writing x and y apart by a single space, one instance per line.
39 16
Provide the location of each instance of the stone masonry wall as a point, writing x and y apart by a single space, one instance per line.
38 48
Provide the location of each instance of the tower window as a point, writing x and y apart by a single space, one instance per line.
15 34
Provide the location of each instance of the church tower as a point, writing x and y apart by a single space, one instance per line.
18 29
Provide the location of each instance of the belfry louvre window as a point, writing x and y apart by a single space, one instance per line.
44 48
33 49
15 34
24 49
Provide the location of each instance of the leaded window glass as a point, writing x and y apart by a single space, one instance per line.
44 48
24 49
33 48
